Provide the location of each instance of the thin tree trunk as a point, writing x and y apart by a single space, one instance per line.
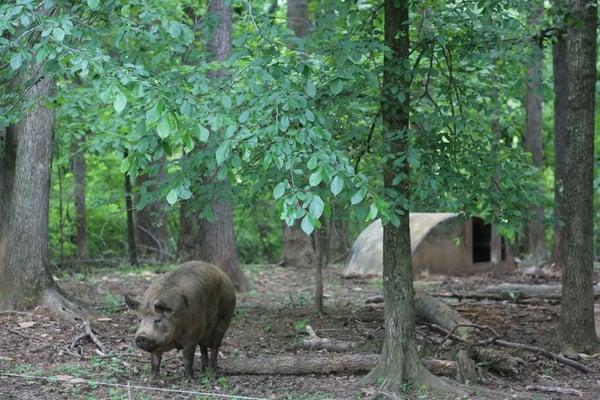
28 157
131 245
536 232
297 16
576 246
61 220
560 79
79 169
152 233
399 361
321 239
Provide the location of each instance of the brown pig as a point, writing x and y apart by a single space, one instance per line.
191 305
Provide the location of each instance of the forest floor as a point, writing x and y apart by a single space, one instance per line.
270 321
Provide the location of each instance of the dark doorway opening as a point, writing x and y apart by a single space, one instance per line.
482 238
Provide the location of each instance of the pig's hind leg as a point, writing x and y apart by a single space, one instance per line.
204 356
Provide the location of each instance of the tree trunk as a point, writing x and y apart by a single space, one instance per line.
131 245
151 230
218 243
560 79
576 246
298 250
79 168
399 361
536 232
27 161
321 244
297 16
8 154
216 239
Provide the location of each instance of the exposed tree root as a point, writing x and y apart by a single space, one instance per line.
58 303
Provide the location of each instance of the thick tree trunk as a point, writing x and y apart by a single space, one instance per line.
297 16
560 77
151 230
8 154
131 245
399 361
218 243
536 232
576 245
216 239
28 156
79 169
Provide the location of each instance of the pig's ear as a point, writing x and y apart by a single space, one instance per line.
161 307
132 303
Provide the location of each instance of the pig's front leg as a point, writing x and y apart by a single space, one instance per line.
156 357
188 360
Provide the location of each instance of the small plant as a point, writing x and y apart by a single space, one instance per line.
113 303
223 383
26 369
268 328
300 326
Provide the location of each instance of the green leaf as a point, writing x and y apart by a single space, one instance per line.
120 102
279 190
153 114
316 207
172 197
244 116
284 123
309 115
307 224
312 163
311 89
315 178
204 133
336 87
93 4
163 129
124 167
337 185
372 212
226 101
58 34
16 60
222 152
358 196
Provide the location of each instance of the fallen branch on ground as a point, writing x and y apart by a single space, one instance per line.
89 333
314 342
15 312
13 331
552 389
520 346
318 364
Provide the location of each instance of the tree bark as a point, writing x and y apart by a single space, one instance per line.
560 77
131 245
399 361
576 245
536 232
79 168
151 230
27 162
216 239
297 16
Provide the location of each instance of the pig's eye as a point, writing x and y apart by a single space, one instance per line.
156 321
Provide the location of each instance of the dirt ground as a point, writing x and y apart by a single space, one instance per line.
270 320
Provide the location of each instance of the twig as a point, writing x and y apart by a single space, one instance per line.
23 335
15 312
90 333
552 389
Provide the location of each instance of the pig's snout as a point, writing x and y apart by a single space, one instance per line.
144 343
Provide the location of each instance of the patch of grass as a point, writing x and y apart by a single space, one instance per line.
75 370
25 369
308 396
